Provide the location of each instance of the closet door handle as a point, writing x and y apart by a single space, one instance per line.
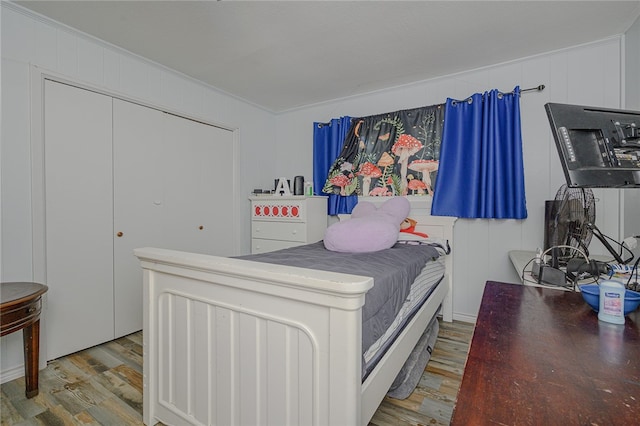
201 227
120 234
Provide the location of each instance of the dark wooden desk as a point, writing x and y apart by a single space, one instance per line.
540 356
20 306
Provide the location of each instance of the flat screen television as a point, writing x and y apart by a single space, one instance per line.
598 147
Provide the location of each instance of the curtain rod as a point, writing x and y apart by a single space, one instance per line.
538 88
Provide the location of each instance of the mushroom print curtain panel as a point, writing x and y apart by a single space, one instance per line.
328 140
389 154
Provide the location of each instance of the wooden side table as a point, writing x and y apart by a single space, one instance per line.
20 306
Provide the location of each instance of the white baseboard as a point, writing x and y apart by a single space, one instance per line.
12 373
464 318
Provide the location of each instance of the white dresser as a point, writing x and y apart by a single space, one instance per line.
282 222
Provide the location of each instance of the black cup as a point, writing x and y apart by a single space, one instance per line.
298 185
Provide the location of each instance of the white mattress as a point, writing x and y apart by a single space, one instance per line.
421 288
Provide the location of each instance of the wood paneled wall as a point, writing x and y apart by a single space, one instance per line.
588 74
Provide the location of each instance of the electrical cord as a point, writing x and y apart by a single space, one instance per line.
635 285
574 279
622 246
603 239
586 258
525 279
524 270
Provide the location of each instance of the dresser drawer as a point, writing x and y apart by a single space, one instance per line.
264 246
283 222
285 210
286 231
20 315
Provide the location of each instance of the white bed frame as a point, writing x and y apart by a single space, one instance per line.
229 341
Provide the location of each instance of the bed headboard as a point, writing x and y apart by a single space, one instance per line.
440 227
434 226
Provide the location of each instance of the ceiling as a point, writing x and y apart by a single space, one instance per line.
282 55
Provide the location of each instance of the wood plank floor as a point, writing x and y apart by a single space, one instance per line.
103 386
432 402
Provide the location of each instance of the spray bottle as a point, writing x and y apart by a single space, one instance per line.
611 302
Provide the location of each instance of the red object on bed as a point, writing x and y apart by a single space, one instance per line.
409 226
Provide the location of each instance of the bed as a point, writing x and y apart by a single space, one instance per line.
237 341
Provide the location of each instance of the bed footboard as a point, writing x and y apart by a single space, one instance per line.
228 341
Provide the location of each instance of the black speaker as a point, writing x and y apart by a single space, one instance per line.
550 212
298 185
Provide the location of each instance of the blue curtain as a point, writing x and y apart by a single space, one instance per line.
481 168
328 139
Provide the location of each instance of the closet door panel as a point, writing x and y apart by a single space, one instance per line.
138 202
199 187
79 225
220 239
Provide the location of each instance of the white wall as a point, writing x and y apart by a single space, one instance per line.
588 74
29 40
632 67
631 222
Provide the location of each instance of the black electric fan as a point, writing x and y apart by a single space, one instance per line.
569 220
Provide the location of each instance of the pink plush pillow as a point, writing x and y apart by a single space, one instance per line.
369 229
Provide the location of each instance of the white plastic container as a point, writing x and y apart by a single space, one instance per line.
611 307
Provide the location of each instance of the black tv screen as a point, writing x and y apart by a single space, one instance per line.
598 147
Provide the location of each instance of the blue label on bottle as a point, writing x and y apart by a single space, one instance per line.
612 295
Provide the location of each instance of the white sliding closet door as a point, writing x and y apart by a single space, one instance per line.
199 187
79 218
138 182
119 176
